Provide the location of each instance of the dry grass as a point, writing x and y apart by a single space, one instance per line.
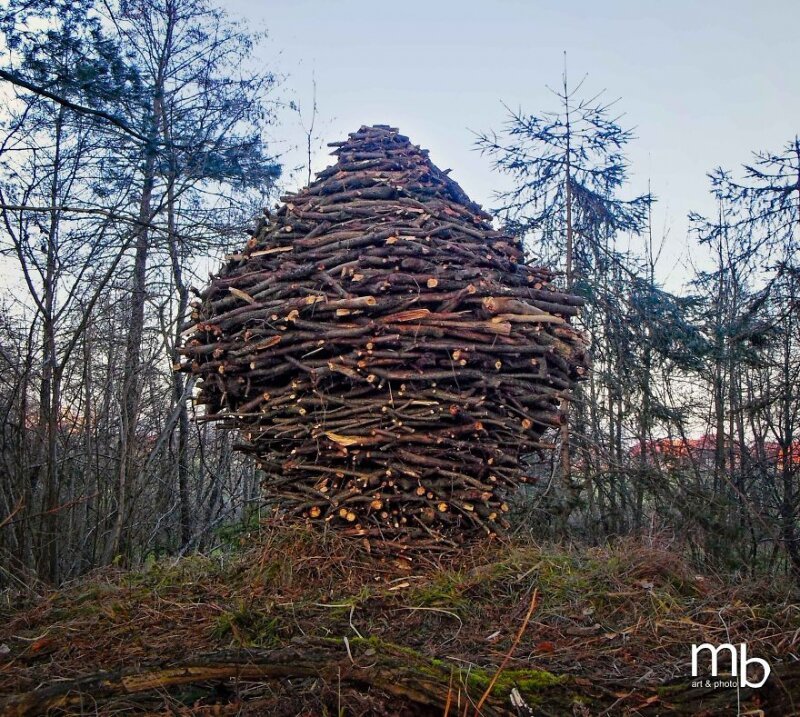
623 613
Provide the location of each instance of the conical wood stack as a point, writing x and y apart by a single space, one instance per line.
385 352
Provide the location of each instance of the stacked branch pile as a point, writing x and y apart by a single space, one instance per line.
386 354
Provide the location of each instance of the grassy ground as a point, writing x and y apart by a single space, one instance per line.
609 633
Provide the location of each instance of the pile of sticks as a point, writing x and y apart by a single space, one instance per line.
387 355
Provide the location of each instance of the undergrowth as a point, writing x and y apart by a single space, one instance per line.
623 610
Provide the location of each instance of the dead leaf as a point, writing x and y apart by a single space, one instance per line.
42 644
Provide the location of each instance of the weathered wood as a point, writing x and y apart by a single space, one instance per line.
382 281
404 677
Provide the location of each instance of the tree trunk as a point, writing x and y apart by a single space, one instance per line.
131 383
178 382
569 489
50 394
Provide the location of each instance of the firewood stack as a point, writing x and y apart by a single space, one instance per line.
385 352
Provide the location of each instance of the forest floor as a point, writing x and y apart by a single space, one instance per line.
300 623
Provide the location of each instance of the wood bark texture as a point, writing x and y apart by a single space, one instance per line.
387 354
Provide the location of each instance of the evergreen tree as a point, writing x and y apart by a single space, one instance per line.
765 202
567 168
750 305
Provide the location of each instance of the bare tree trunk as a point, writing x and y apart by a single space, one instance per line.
569 489
178 382
789 502
131 384
50 395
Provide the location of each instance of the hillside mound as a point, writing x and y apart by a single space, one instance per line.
304 623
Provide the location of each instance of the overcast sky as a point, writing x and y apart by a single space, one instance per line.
702 83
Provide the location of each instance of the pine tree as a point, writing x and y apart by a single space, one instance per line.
567 168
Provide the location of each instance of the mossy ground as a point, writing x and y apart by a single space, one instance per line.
628 611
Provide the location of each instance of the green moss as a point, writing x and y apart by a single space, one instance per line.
529 682
239 533
248 627
95 592
445 590
272 572
678 688
377 644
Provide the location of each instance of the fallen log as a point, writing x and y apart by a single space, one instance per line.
404 679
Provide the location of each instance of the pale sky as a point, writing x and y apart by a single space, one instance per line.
702 83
